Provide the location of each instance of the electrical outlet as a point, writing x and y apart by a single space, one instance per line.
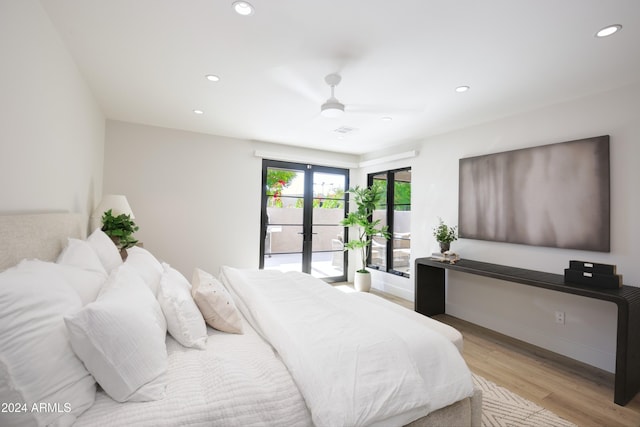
560 317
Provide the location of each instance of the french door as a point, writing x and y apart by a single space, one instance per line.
302 206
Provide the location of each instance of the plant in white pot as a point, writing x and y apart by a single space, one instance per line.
366 200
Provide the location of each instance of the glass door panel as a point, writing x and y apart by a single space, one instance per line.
283 237
328 256
301 213
283 262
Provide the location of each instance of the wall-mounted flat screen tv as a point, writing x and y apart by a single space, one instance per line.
553 195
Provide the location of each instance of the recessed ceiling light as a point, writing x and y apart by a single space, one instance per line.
212 78
608 30
242 8
198 112
461 89
386 119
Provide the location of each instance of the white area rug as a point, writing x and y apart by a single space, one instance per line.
503 408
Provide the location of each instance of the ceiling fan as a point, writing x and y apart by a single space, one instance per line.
332 107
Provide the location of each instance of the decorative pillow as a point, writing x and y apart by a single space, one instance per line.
121 338
184 320
37 364
86 283
147 267
106 250
215 303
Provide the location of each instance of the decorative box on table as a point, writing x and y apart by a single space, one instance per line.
593 274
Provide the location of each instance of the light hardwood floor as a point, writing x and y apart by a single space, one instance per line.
577 392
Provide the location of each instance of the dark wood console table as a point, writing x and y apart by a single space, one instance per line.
430 300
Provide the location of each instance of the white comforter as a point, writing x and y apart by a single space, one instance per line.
354 362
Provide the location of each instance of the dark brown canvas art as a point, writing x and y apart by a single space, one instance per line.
553 195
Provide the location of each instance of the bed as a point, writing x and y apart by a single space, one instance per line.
271 374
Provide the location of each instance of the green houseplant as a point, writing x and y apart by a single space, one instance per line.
366 200
445 234
120 228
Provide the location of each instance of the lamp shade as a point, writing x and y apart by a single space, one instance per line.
117 203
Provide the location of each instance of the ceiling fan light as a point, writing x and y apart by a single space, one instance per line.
332 109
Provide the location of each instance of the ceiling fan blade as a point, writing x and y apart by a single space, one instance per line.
381 110
287 78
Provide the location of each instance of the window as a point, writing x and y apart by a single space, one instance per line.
394 210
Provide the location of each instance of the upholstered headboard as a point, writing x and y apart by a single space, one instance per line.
39 236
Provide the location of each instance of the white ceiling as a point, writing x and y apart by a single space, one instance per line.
146 61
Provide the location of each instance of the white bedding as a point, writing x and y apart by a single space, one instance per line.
353 368
237 380
450 333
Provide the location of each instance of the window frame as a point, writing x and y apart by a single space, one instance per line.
390 204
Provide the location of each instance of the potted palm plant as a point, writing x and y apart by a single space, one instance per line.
366 200
444 235
120 228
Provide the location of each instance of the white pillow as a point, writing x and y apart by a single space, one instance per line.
215 303
79 253
146 265
37 364
184 320
83 269
121 338
86 283
106 250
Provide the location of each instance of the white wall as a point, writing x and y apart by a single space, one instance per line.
51 129
517 310
195 197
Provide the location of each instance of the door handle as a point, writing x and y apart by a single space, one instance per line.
306 236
